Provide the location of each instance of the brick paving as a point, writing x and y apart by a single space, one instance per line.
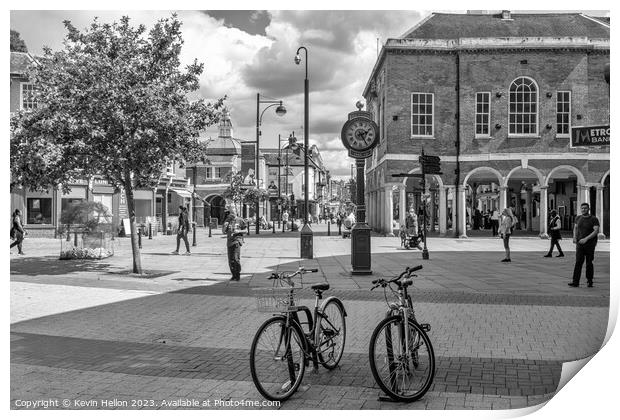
500 331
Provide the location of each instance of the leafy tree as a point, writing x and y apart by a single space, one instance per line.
113 102
17 43
235 192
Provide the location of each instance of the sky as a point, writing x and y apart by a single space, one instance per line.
246 52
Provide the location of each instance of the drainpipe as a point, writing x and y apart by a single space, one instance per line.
457 144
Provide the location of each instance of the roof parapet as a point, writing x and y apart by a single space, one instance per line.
497 43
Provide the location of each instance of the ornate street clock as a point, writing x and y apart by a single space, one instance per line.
359 134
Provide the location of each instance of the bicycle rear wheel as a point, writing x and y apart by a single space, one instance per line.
277 359
404 376
331 334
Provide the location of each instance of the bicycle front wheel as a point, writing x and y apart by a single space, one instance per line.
404 372
330 334
277 359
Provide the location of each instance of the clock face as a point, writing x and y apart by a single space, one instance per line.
359 134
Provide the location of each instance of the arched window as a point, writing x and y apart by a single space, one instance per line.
523 112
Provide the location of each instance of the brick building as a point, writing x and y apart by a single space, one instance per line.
495 97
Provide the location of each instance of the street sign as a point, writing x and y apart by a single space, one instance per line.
590 136
430 164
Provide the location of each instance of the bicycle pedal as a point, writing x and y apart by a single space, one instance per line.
425 327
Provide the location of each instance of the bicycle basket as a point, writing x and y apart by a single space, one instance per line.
270 299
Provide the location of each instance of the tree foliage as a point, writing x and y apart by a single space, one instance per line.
17 43
114 103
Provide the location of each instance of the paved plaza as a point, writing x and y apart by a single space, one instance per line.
90 332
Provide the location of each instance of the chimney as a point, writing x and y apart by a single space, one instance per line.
506 15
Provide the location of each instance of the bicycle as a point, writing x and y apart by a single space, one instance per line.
404 367
281 349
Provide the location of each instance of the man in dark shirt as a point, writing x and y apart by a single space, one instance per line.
233 226
585 236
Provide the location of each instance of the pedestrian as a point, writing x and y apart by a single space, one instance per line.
495 221
554 232
585 236
235 228
285 219
182 230
505 230
411 223
17 231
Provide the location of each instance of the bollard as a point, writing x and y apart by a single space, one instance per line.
273 227
194 234
150 231
75 242
140 238
329 229
209 230
248 229
340 229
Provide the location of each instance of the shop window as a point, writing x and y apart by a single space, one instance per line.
39 211
422 114
65 203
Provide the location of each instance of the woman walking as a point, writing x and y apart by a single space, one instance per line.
554 232
17 231
505 230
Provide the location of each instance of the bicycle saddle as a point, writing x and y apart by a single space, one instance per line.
320 286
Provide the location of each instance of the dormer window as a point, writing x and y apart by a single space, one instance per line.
27 99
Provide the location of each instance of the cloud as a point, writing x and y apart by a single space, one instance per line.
250 52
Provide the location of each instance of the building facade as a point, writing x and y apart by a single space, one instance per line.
495 96
285 169
226 155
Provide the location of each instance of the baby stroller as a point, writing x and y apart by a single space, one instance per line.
409 240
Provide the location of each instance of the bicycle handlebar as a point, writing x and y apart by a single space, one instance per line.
408 271
300 270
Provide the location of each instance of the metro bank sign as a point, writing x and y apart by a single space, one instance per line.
590 136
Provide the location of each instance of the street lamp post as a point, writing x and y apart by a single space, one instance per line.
306 231
280 111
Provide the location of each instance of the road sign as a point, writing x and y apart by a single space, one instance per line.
430 164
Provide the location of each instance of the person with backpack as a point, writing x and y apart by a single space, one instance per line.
17 231
234 227
183 230
554 233
505 230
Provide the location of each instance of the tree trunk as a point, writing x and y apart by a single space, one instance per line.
137 258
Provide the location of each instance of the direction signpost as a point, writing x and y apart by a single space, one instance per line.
430 165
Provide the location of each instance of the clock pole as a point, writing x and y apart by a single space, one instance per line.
360 233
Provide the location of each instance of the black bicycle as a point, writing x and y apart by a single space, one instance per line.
402 359
282 349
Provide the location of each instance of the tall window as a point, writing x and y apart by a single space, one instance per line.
422 114
563 114
28 101
483 114
523 114
209 172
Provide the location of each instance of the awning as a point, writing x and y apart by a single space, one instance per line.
182 193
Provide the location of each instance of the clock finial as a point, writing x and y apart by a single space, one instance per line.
359 105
